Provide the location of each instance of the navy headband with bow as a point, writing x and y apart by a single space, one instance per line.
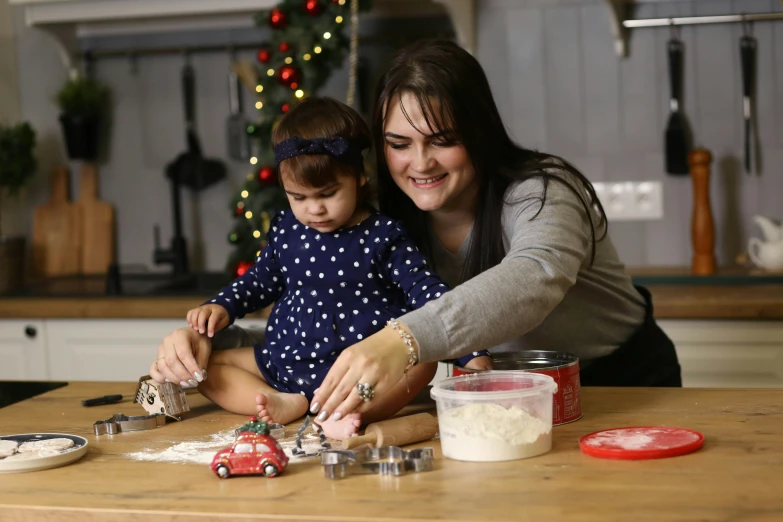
339 148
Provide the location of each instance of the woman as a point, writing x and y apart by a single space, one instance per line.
522 231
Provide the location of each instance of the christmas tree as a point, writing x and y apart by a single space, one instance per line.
309 40
255 426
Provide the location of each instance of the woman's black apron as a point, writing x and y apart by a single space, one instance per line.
646 359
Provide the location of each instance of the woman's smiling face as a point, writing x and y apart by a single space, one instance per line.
437 174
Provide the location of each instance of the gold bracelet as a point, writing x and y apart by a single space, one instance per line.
413 356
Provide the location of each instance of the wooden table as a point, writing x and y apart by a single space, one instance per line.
736 476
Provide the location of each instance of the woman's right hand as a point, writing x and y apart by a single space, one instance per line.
182 358
379 360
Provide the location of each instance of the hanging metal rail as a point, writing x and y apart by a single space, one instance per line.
695 20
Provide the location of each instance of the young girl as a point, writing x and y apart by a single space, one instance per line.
336 270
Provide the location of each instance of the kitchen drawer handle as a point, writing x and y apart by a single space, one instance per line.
30 331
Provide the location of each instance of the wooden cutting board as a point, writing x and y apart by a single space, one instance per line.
57 231
97 222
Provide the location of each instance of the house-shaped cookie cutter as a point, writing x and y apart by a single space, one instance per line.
386 460
166 398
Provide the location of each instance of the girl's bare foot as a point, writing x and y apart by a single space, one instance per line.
344 428
281 407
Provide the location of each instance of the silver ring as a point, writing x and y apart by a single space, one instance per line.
366 393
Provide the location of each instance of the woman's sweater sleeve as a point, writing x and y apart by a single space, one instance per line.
546 248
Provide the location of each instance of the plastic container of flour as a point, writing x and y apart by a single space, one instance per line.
495 416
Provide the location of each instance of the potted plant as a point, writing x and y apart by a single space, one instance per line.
82 102
17 166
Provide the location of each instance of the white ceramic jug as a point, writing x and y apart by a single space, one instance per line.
766 254
771 230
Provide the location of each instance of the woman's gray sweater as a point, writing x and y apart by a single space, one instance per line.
544 295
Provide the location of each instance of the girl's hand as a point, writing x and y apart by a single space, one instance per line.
211 317
380 361
182 358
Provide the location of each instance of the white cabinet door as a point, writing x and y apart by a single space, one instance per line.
23 350
108 349
104 349
728 354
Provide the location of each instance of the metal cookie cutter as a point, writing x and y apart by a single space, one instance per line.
120 423
386 460
298 451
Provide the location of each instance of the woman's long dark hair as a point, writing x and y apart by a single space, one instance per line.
440 71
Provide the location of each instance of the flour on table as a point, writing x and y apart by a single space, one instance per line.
203 451
489 432
621 440
8 448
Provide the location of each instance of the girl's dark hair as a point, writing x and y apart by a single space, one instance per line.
453 92
317 117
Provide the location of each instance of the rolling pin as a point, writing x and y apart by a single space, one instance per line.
396 432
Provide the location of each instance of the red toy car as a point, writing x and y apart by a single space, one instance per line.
252 453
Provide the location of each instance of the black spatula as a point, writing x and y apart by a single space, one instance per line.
190 168
748 59
677 141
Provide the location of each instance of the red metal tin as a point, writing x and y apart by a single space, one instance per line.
562 367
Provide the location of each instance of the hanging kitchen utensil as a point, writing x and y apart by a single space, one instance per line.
238 140
677 139
748 59
190 168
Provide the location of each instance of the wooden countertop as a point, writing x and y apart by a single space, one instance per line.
676 295
717 301
102 307
670 301
735 476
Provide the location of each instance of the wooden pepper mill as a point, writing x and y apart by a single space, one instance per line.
702 224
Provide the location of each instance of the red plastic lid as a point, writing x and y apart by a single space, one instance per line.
641 442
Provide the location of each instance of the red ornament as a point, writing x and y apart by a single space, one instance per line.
284 47
285 107
288 75
312 7
242 267
240 208
263 55
266 175
278 18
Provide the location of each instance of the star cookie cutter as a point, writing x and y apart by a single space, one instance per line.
386 460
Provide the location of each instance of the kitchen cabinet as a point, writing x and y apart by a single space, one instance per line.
84 349
728 353
23 350
108 350
70 20
103 349
713 353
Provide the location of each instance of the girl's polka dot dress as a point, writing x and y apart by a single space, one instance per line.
331 290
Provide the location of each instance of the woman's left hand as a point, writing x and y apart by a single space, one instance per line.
380 361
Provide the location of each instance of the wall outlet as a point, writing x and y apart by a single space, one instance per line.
631 200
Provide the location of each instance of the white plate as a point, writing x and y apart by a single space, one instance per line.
66 457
